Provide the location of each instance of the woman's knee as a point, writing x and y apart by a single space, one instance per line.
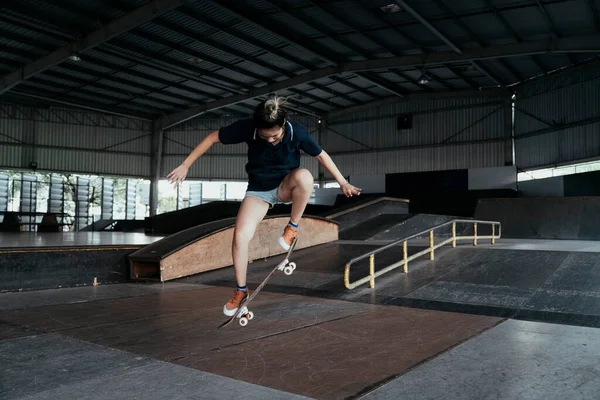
242 236
249 216
303 177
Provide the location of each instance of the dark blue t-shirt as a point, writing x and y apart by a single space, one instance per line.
267 164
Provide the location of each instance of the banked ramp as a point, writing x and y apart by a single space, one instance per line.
208 246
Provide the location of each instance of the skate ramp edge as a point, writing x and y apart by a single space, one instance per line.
415 223
350 217
211 250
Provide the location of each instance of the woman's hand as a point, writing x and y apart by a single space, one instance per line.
178 174
350 190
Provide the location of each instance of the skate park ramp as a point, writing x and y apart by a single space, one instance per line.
385 218
179 220
351 215
397 226
199 239
573 218
208 246
176 221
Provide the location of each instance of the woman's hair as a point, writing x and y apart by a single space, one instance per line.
270 113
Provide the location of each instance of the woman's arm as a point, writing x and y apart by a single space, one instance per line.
330 166
179 173
202 148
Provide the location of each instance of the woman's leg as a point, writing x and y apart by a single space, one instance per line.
251 212
296 187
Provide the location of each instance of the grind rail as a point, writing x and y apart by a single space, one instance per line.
431 249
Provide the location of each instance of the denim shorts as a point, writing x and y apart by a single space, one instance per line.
270 196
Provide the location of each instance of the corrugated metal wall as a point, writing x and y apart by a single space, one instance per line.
571 98
221 162
369 142
10 131
74 141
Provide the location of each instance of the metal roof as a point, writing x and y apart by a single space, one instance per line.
175 60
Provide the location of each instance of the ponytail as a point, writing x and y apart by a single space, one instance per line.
270 113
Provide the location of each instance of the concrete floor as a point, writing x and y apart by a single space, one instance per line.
492 322
35 240
515 360
299 345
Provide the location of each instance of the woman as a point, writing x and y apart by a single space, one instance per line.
274 176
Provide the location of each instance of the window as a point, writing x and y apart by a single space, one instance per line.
559 171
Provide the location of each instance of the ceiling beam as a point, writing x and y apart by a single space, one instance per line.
250 16
474 36
235 32
321 28
468 93
440 35
379 16
79 105
580 44
512 31
234 52
456 71
123 24
552 26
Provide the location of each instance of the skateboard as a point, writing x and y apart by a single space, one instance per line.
243 313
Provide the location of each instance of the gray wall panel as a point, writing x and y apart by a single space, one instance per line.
484 155
74 141
90 163
478 122
571 97
11 135
430 145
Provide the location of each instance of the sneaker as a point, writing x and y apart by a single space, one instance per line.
232 305
286 240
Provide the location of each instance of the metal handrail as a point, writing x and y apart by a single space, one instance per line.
432 247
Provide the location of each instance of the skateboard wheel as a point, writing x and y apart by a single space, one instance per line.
250 315
289 269
243 321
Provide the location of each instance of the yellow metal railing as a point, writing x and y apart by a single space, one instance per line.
431 249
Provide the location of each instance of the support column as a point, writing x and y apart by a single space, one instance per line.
28 151
321 142
156 166
509 143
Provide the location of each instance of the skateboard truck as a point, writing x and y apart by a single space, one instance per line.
245 316
287 267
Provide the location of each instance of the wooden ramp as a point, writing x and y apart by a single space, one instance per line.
208 246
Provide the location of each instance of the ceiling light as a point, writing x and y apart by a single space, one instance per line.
390 8
424 78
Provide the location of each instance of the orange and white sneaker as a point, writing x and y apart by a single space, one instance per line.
239 297
289 234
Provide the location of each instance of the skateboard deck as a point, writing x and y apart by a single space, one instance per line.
243 313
